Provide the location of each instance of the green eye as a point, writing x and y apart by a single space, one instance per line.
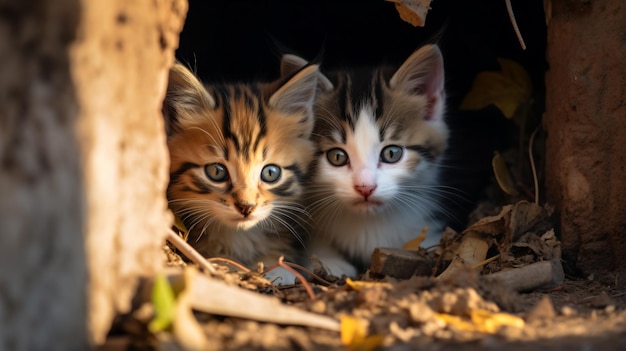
270 173
216 172
337 157
391 154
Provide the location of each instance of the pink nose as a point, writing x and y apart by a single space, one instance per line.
365 190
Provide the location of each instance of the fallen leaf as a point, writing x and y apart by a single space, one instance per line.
491 322
359 285
414 244
503 177
354 335
506 89
164 302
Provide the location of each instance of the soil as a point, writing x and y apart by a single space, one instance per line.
408 314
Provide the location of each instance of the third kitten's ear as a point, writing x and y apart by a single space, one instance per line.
185 95
298 93
290 64
422 74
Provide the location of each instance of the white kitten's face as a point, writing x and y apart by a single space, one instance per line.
364 172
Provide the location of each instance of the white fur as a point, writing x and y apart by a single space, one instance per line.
356 230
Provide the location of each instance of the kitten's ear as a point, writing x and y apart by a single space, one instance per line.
185 95
298 93
290 64
422 74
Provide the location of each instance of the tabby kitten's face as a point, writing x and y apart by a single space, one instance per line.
380 135
238 152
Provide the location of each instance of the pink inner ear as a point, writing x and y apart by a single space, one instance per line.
430 107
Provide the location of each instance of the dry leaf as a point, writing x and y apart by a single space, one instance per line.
358 285
491 322
503 177
472 250
412 11
507 89
414 244
354 335
482 321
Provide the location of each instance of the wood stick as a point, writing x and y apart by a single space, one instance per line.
543 274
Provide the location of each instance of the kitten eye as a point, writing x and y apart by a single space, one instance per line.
216 172
391 154
337 157
270 173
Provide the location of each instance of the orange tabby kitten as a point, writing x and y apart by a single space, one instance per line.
239 156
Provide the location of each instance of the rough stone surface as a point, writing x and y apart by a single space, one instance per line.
84 163
585 121
119 66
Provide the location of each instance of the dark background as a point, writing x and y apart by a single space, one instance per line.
242 40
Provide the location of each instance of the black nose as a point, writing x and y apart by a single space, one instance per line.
245 208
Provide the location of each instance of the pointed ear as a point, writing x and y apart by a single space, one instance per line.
290 64
422 74
298 93
185 95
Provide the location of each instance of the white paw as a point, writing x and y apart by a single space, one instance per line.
280 276
338 267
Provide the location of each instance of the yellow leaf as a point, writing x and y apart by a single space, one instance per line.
354 335
506 89
491 322
481 321
455 321
358 284
503 177
414 244
178 224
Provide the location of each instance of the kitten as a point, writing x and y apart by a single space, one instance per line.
239 156
380 137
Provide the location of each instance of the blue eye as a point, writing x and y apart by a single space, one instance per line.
270 173
391 154
216 172
337 157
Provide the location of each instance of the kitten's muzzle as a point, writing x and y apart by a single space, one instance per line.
245 208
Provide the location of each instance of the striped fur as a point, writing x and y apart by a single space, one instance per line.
386 133
239 156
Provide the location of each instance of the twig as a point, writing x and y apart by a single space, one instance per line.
485 262
285 266
313 275
509 9
230 262
532 163
189 251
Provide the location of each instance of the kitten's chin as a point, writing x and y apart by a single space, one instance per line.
366 206
244 223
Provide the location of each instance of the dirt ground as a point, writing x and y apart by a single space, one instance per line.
417 313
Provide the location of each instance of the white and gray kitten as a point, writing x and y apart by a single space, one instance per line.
380 135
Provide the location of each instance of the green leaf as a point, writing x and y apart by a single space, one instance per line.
164 304
507 89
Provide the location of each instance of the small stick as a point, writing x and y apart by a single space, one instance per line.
509 9
542 274
189 251
532 163
230 262
284 265
315 276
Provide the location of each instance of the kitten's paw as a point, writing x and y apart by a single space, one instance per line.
280 276
338 267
